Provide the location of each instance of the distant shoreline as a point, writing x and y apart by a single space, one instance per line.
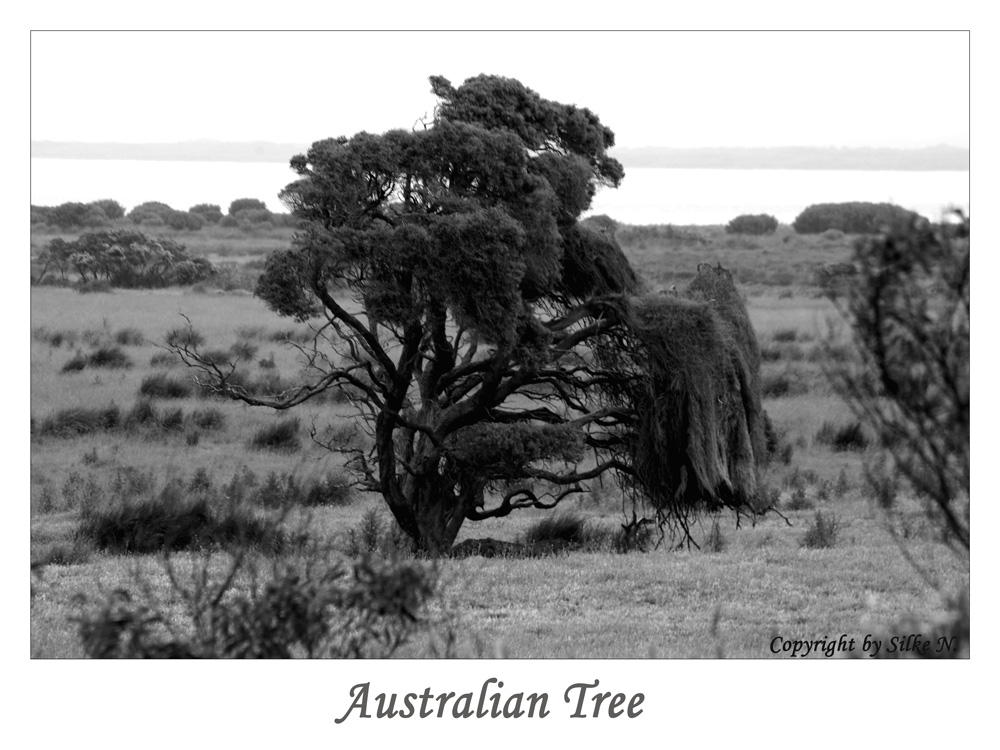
935 158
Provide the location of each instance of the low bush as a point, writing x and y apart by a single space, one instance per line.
164 359
782 384
280 436
185 337
799 500
752 224
162 385
243 351
568 529
851 218
847 437
823 533
129 337
318 607
172 519
110 357
208 419
80 421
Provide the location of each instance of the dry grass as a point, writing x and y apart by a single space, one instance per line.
594 604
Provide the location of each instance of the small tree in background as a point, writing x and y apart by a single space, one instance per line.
752 224
246 204
209 212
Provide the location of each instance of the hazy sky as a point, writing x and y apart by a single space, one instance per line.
683 89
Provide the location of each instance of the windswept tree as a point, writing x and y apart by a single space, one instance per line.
495 347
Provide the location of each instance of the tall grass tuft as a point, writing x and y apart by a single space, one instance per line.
823 533
280 436
162 385
80 421
847 437
174 519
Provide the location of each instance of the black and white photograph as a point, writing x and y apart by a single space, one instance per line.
486 354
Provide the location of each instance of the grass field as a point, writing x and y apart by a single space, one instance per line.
732 597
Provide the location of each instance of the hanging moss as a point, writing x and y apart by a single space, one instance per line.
698 434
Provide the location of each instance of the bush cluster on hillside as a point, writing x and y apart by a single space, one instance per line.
752 224
123 258
851 218
243 212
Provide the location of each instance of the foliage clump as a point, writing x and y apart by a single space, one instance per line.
124 258
752 224
314 607
851 218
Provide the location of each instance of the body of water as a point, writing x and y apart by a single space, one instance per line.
647 196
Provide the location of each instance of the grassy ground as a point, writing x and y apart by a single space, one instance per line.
733 601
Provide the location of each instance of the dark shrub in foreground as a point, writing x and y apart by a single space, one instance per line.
280 436
161 385
80 421
319 608
752 224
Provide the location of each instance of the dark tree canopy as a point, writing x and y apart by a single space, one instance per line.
459 300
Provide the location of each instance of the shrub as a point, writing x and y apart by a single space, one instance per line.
798 500
76 364
785 335
848 437
280 436
333 489
246 204
164 359
172 520
243 351
851 218
129 337
80 421
752 224
111 209
208 419
563 529
142 414
216 356
186 337
172 419
823 532
313 608
372 535
209 212
782 384
109 357
162 385
182 220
